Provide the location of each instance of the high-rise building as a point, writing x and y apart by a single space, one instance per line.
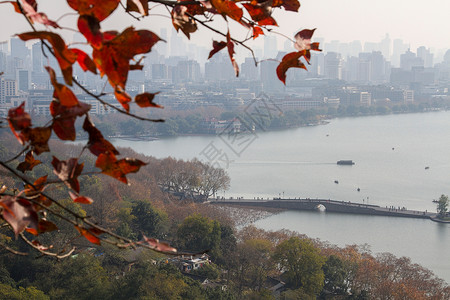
270 46
409 60
333 65
36 52
426 55
8 88
23 80
19 49
398 48
249 70
385 47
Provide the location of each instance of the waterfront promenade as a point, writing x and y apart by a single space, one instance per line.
327 205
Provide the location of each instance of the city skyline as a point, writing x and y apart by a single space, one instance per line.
412 21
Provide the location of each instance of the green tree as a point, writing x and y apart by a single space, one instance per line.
442 206
302 264
198 233
148 220
8 292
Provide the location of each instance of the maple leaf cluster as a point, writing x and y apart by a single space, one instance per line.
113 55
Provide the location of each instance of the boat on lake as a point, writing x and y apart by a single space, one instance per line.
345 162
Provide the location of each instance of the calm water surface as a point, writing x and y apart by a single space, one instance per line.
391 154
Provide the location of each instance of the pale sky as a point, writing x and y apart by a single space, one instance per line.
417 22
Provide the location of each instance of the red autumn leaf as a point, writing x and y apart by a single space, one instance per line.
38 138
260 13
123 97
65 117
30 9
88 235
291 5
64 56
68 171
217 46
85 62
34 191
113 59
80 199
29 163
89 26
257 31
19 213
230 46
19 120
39 246
158 246
62 92
46 226
37 187
146 100
193 9
290 60
303 40
181 20
98 9
228 8
117 169
140 6
96 143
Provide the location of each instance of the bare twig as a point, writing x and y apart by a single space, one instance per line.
59 256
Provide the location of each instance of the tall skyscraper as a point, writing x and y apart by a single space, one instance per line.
23 80
398 48
385 47
426 55
270 46
333 65
19 49
36 52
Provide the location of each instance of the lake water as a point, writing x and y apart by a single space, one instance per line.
400 160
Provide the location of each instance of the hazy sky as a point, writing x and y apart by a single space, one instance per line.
417 22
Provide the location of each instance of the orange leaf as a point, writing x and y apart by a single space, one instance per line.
29 163
113 59
98 9
217 46
230 46
80 199
68 171
65 117
85 62
88 235
140 6
228 8
261 13
19 213
19 120
146 100
109 165
30 9
62 92
181 20
64 56
123 97
90 27
46 226
257 31
96 143
291 5
38 138
290 60
303 40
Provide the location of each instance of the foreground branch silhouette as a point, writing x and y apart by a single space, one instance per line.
26 212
